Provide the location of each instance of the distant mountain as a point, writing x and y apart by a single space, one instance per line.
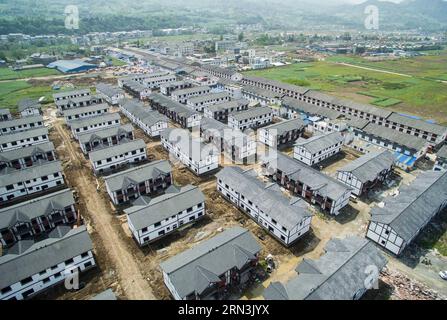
46 16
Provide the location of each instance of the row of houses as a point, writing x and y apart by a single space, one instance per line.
150 121
252 118
85 112
286 220
318 148
106 137
92 124
175 111
282 133
21 124
40 234
237 146
221 111
183 95
136 89
197 156
78 102
109 93
433 133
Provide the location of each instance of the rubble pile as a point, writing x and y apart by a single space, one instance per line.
405 288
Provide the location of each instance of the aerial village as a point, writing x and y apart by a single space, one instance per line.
192 181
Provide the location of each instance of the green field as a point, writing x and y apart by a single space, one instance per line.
117 62
416 93
8 74
13 91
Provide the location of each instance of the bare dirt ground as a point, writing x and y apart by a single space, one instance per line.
111 250
134 273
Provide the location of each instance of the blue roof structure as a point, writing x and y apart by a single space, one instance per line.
71 66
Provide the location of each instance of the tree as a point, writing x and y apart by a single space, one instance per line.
240 36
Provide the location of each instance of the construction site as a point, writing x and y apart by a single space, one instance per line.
134 273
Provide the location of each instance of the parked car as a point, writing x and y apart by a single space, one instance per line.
443 274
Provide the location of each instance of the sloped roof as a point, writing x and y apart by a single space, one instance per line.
85 137
417 124
250 113
28 103
310 109
94 120
400 138
20 153
216 255
409 211
21 121
43 168
171 203
138 174
23 135
192 90
208 97
109 90
71 93
116 150
368 167
337 275
17 265
91 108
320 142
442 153
287 212
227 105
298 171
286 126
34 208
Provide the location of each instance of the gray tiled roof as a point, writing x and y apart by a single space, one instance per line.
191 90
368 167
251 113
172 105
418 124
442 153
229 135
36 257
298 171
261 92
108 89
71 93
26 152
28 103
268 198
154 210
320 142
340 274
403 139
94 120
208 97
285 86
31 209
4 111
91 108
301 106
116 150
137 175
190 146
21 121
135 85
286 126
104 133
23 135
232 248
11 176
408 212
227 105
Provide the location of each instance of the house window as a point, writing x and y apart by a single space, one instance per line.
158 224
26 281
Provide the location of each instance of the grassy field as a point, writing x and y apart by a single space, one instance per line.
13 91
8 74
117 62
416 94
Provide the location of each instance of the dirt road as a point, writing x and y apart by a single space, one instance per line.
376 70
132 281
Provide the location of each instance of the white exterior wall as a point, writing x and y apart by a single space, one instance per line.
170 286
86 115
91 128
24 188
117 161
440 165
254 122
193 121
302 154
183 98
157 82
351 181
24 143
385 237
265 137
168 226
20 128
206 164
285 236
199 107
50 277
30 112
